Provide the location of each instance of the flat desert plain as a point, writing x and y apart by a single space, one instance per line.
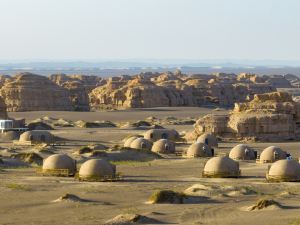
26 197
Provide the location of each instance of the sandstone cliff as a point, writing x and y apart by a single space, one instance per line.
30 92
175 89
271 116
79 87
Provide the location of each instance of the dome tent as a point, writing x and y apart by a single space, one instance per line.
129 140
157 134
141 143
199 150
221 166
37 137
163 146
242 152
97 170
59 165
284 170
272 154
208 139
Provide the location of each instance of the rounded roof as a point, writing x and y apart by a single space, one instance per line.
242 152
26 135
60 161
96 168
285 168
212 141
141 143
221 165
268 154
199 149
129 141
10 135
163 146
171 133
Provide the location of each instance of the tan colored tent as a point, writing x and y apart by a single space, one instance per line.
221 166
59 165
163 146
97 170
272 154
208 139
37 137
199 149
284 170
157 134
141 143
242 152
128 141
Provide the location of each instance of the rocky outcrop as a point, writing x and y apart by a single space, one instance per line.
78 94
278 81
79 87
168 89
271 116
30 92
3 110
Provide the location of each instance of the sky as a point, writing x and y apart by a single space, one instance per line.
149 29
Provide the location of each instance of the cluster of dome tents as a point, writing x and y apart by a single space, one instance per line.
155 140
283 167
162 141
91 170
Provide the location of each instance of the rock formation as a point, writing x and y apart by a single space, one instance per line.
3 110
79 87
270 116
176 89
30 92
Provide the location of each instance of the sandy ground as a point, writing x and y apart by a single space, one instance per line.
26 197
119 115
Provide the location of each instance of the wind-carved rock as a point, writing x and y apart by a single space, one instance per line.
270 116
30 92
176 89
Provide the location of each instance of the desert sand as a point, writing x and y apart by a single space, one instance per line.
29 198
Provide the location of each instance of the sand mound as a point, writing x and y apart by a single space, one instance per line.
70 198
31 157
218 191
286 194
127 219
95 124
166 196
37 125
97 147
83 150
265 204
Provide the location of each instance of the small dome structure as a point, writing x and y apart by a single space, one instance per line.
272 154
163 146
199 150
208 139
242 152
59 165
157 134
128 141
221 166
284 170
97 170
141 143
9 136
37 137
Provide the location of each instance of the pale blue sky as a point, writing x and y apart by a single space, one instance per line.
149 29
